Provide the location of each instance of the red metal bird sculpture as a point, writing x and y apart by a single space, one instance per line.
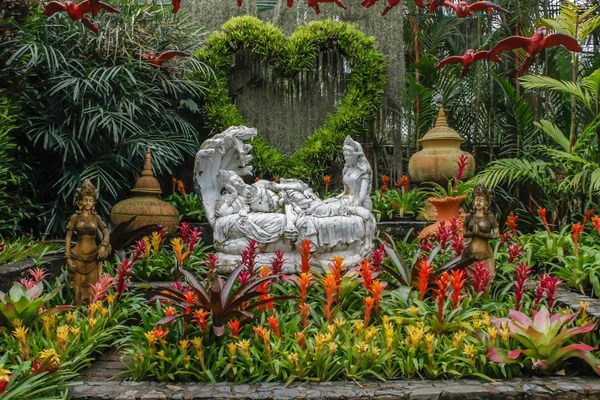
157 61
465 60
176 5
435 4
464 10
534 45
315 4
77 11
290 3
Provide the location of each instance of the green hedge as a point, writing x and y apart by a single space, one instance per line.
290 56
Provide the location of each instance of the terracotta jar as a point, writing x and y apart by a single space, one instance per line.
146 204
447 208
437 161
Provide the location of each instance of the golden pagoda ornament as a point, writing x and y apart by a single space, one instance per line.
146 204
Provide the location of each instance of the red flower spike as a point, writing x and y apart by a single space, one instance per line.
425 272
463 162
306 257
596 223
274 324
326 180
577 229
542 213
511 223
440 294
369 303
523 272
588 215
234 325
366 273
514 252
482 277
457 281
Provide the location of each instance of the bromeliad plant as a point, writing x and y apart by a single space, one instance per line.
543 341
223 300
188 205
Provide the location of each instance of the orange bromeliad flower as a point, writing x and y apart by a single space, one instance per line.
457 281
305 284
511 223
326 179
366 273
300 338
178 249
189 296
330 285
588 215
201 318
304 308
369 303
274 323
181 188
234 325
596 223
376 290
305 249
170 311
425 272
440 294
160 333
542 213
337 269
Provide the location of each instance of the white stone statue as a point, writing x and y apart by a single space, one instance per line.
281 215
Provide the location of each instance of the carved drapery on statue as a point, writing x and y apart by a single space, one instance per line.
280 215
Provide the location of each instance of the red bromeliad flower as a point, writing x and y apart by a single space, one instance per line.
444 234
366 273
189 296
386 185
274 323
523 272
194 239
124 275
305 282
174 184
425 272
234 325
505 239
511 223
276 179
440 294
457 244
542 213
306 257
596 223
264 288
457 281
588 215
369 303
37 274
184 231
244 276
260 332
577 229
139 250
377 258
482 277
210 262
514 252
277 262
249 256
300 338
549 285
426 246
326 180
404 183
462 166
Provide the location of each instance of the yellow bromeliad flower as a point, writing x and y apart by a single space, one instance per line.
232 349
458 337
332 347
17 323
150 337
244 346
505 333
375 351
293 357
4 374
493 332
184 344
155 240
197 343
74 331
321 340
104 312
146 240
389 336
399 321
414 310
486 319
331 328
161 355
358 327
339 322
385 319
49 354
110 299
48 323
94 307
62 333
186 361
70 317
429 343
371 333
414 335
362 347
21 334
469 351
477 323
583 306
92 322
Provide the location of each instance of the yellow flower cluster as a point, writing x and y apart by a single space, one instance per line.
414 334
388 329
49 354
458 337
4 374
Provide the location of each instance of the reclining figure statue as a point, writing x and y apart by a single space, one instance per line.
279 216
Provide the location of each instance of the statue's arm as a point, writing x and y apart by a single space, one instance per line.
104 247
466 232
68 237
364 190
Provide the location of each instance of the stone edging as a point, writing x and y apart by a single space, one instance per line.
518 388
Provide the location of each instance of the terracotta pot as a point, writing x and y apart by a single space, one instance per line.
146 204
447 209
437 161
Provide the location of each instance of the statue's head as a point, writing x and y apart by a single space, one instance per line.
86 197
482 197
352 149
231 181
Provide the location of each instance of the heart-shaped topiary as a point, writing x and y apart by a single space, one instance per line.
290 56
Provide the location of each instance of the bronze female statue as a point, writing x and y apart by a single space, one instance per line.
480 225
84 260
